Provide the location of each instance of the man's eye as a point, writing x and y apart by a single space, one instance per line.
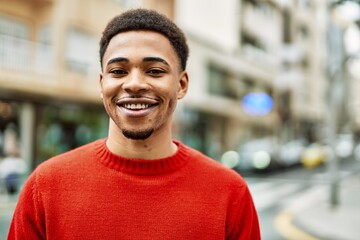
155 72
118 72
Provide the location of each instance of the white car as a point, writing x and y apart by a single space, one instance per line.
290 152
258 155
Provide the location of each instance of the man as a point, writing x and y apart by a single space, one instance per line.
12 170
138 183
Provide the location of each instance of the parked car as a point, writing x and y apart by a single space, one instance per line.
314 155
258 155
290 152
344 146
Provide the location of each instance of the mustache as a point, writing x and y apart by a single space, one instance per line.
130 99
134 96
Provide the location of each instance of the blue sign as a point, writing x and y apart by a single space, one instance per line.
258 103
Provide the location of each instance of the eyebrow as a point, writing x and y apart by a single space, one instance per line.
117 59
146 59
155 59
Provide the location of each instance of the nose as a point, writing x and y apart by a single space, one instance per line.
135 82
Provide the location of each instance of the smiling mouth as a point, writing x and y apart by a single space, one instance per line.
137 106
140 104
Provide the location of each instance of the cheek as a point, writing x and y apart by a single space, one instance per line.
172 101
106 91
107 101
109 87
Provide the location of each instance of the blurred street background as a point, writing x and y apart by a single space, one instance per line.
273 95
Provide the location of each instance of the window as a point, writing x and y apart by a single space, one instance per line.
81 51
13 28
44 51
217 78
222 83
262 7
14 47
44 35
251 41
287 38
266 9
254 50
303 32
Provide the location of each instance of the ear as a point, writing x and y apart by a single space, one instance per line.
183 85
100 82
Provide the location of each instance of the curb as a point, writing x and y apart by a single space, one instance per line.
285 227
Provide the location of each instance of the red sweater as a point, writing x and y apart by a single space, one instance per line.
90 193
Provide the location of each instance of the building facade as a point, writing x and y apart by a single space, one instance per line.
238 48
273 50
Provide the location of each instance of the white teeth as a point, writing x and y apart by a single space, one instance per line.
136 106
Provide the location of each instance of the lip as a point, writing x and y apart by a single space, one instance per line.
136 100
136 113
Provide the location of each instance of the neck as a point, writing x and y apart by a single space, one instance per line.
158 145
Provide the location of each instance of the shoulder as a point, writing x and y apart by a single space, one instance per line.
74 158
213 170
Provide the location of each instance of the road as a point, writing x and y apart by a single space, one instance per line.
274 192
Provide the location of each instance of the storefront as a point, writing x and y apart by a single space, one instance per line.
43 130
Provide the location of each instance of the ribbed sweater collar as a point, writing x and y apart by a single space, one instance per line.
142 167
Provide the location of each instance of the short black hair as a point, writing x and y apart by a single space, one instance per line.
145 19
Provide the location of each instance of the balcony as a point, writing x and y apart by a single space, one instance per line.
31 68
262 25
260 57
23 55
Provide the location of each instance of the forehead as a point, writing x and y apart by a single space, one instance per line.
133 44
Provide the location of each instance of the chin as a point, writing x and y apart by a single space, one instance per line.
137 134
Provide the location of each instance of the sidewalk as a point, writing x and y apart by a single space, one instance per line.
313 218
7 206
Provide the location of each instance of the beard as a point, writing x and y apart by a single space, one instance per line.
137 135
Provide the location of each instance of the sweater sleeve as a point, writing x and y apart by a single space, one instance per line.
244 221
28 219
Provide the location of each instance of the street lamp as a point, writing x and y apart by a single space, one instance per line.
342 14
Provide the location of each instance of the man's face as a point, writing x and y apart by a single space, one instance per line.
141 83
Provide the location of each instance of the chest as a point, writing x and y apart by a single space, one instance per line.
134 210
